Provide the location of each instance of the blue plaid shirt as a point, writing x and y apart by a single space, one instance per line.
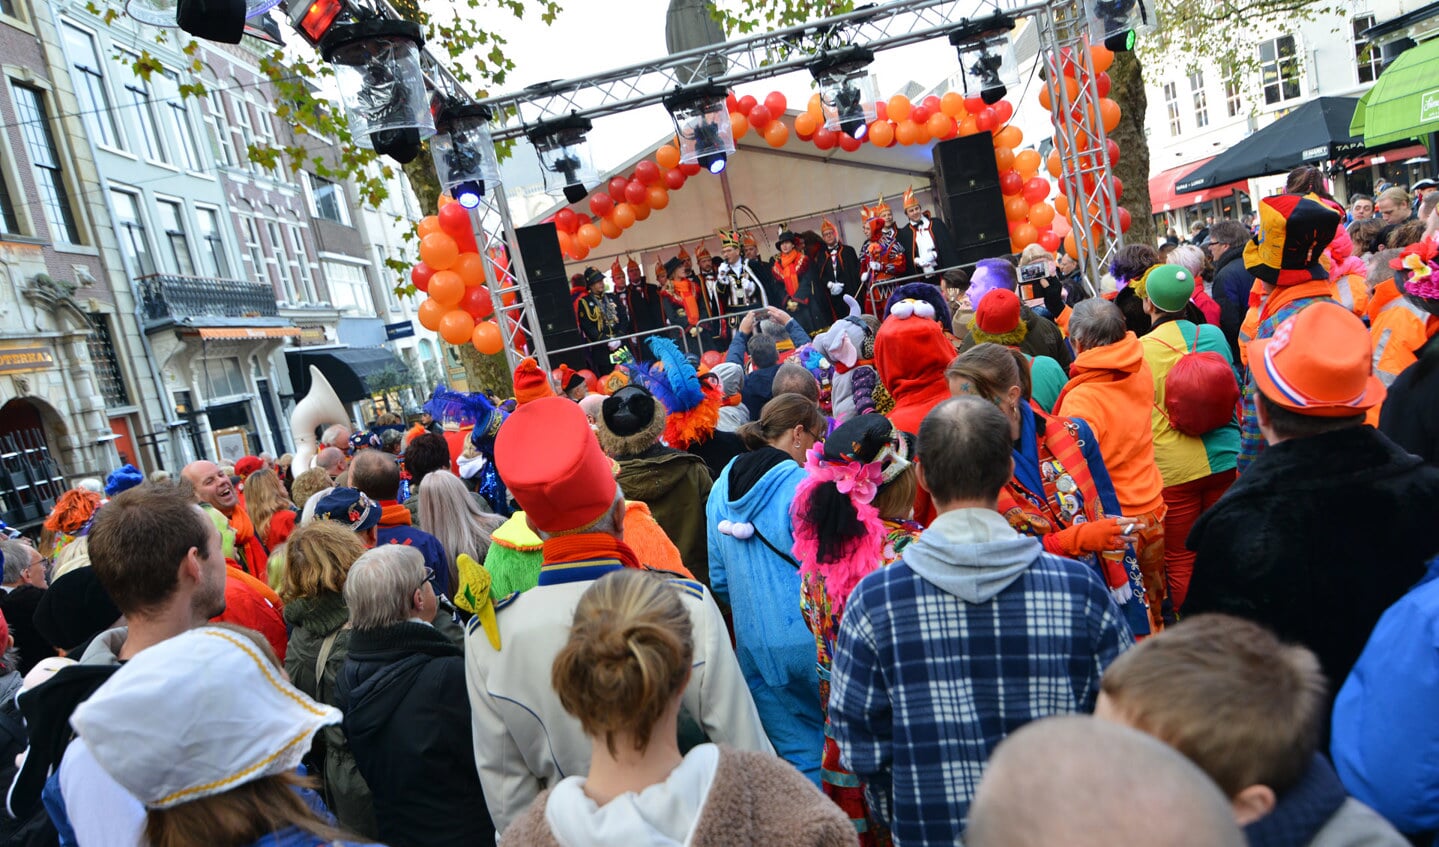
926 685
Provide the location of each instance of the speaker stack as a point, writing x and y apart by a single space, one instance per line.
550 293
969 197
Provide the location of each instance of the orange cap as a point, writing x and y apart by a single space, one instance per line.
1318 363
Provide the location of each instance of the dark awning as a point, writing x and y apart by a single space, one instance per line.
1314 132
348 369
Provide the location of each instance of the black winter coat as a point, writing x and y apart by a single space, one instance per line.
1411 411
407 717
1316 540
1232 282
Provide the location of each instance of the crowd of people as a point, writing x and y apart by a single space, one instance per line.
1134 560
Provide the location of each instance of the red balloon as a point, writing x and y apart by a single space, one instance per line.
603 205
974 105
881 111
776 103
1036 189
647 172
1011 183
1003 111
617 187
920 114
825 139
675 178
455 221
689 168
636 193
1124 219
1101 82
746 103
711 358
731 102
931 103
477 302
848 143
986 120
1118 187
1049 240
567 221
1113 147
759 116
420 275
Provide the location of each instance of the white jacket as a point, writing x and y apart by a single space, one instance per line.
524 739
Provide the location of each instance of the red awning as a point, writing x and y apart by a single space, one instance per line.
1161 189
1401 154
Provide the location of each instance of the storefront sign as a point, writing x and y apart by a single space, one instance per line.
1429 106
15 360
398 330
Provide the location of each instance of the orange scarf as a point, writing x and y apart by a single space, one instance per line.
248 547
788 266
588 545
392 513
685 288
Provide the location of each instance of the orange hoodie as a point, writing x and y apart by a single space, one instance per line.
1112 390
911 355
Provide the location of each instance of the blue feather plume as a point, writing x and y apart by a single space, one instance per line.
459 406
673 379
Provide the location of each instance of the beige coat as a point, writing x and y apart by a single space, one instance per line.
756 799
524 739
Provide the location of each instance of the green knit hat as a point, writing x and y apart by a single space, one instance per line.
1168 287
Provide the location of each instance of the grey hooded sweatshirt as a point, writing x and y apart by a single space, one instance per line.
973 554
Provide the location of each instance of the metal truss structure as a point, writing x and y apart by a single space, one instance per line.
1086 179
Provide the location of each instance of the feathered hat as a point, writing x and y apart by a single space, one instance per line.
465 408
692 403
702 258
683 255
729 238
748 241
617 273
633 272
661 272
910 200
870 213
828 226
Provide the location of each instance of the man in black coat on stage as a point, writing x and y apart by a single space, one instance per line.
838 276
927 242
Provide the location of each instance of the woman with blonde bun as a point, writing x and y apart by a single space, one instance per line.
622 674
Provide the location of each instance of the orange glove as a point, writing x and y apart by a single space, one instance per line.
1098 536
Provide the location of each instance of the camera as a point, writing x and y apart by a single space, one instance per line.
1033 272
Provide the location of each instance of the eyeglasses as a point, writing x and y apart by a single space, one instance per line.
429 577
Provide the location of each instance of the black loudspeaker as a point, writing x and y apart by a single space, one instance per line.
550 293
969 198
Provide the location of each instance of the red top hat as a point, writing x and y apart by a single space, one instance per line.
1318 363
552 463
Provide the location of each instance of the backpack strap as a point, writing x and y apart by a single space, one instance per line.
323 656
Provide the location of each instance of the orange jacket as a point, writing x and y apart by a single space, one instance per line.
1397 328
1112 390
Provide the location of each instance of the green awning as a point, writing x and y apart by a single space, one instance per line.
1404 102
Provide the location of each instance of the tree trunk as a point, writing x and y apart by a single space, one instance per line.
1127 84
487 373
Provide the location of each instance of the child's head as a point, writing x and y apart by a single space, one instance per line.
1231 697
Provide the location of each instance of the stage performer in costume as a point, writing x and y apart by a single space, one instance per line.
796 274
642 300
884 257
927 243
477 410
838 275
741 285
598 316
687 303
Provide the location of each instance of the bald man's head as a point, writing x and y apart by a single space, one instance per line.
793 379
1076 781
376 473
332 461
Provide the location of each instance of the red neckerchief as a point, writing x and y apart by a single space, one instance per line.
588 545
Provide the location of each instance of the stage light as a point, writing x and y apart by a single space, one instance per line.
464 152
377 69
714 162
986 57
702 124
212 20
847 92
313 19
564 156
1118 23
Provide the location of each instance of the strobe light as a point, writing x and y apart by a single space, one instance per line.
464 152
986 57
1118 23
564 156
313 19
847 92
702 124
377 69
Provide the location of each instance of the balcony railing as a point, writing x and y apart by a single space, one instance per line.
170 297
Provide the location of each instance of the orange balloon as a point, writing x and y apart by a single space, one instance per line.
1024 235
608 228
968 126
446 288
1053 164
1010 136
430 313
1016 208
1003 158
1102 57
471 269
1070 247
775 135
940 125
952 104
1061 205
567 242
739 125
642 211
907 132
805 124
580 251
589 235
659 197
624 215
923 136
899 108
668 156
444 201
438 250
815 106
457 326
427 225
1109 113
487 339
881 133
1041 214
1027 163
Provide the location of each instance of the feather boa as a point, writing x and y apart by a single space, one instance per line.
862 555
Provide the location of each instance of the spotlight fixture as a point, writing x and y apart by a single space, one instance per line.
564 156
847 92
986 56
1118 23
212 20
702 124
377 69
463 151
313 18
